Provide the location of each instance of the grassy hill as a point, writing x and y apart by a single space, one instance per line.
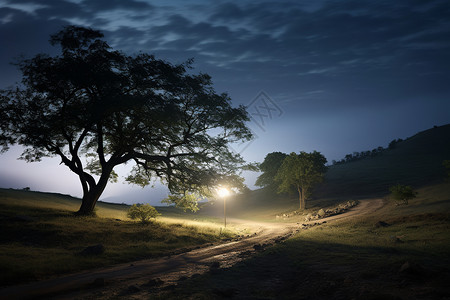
416 161
55 201
41 237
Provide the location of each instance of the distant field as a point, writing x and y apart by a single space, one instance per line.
41 237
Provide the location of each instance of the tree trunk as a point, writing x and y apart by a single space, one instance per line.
88 203
91 197
300 198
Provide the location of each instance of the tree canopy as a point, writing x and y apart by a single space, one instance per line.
269 167
302 172
96 108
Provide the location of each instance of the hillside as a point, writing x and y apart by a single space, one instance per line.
416 161
41 237
54 201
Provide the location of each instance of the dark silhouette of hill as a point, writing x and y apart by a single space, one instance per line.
416 161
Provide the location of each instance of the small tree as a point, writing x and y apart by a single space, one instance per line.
402 193
143 212
302 171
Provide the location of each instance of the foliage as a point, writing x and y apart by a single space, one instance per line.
187 201
394 143
142 212
301 171
369 153
269 167
97 104
360 155
402 193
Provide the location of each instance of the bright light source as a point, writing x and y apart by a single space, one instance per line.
223 192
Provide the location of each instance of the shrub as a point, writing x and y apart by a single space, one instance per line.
142 212
402 193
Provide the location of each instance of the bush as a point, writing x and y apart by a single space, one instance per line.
142 212
402 193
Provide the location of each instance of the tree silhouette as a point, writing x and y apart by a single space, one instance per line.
301 171
269 167
97 108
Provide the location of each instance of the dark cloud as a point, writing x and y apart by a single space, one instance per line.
61 10
105 5
384 49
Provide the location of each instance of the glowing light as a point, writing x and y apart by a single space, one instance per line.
223 192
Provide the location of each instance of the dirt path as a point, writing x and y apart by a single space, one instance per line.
117 280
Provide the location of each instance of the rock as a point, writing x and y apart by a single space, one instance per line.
321 213
381 224
93 250
258 247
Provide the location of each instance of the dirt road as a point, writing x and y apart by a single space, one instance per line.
115 281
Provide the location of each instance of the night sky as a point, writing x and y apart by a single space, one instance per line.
331 76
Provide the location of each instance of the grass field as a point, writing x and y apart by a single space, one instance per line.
407 257
41 237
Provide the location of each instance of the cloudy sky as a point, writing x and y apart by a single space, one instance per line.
333 76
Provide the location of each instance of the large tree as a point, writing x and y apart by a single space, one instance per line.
97 108
269 167
302 172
